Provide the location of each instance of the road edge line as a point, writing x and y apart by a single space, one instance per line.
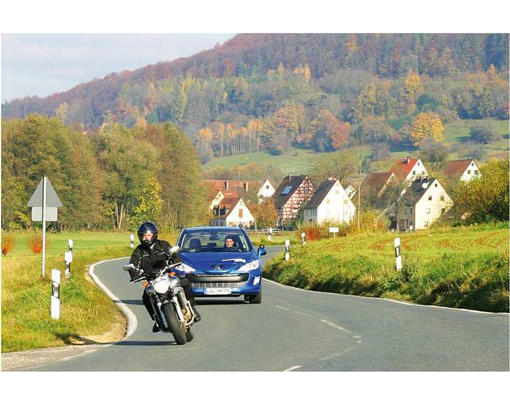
132 322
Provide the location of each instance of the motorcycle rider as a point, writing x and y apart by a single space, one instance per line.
151 255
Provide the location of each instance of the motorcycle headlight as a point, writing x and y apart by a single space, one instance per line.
161 285
185 268
250 266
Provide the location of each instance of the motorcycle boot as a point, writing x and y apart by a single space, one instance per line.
198 317
155 327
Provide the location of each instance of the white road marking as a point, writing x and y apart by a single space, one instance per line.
337 326
130 316
292 368
283 308
303 314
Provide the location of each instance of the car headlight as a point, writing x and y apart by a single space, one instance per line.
185 268
250 266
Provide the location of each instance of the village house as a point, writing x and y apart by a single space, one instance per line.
421 204
463 170
330 203
290 196
377 182
408 169
232 212
266 190
231 189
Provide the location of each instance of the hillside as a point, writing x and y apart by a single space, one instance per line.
274 92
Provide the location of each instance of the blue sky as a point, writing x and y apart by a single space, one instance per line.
42 64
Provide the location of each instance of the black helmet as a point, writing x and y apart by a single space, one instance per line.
147 227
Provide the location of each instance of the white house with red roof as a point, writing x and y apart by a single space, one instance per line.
329 203
409 169
463 170
232 212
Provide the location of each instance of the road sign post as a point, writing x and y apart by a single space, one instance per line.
303 238
269 233
44 203
334 230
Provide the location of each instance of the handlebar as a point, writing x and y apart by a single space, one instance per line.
166 269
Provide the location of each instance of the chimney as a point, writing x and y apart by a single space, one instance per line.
406 160
245 184
225 185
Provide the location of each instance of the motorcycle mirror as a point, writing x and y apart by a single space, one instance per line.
175 249
127 267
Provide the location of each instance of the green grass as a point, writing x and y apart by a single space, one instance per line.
296 161
457 132
85 310
460 267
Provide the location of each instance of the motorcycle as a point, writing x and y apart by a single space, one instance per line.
173 312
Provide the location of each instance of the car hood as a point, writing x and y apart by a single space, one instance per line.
216 263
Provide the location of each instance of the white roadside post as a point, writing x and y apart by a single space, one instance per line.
55 294
287 250
303 238
334 230
68 258
44 228
132 243
398 258
269 233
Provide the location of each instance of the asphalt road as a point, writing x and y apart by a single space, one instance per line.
297 330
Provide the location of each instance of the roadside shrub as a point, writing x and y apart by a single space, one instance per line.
35 244
8 243
370 221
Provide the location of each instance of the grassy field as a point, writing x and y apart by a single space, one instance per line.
86 311
298 161
455 267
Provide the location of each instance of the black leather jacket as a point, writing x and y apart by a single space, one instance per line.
151 259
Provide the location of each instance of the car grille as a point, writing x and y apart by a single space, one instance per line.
232 285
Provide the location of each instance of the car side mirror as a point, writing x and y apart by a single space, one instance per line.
128 267
175 249
261 250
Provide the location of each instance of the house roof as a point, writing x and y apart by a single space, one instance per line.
320 194
232 188
293 182
457 166
228 203
414 193
376 181
403 167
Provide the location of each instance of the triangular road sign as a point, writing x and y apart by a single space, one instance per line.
52 199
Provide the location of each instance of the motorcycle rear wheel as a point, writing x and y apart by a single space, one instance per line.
174 325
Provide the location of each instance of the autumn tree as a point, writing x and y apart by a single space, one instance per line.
149 204
328 132
427 125
265 213
412 86
486 198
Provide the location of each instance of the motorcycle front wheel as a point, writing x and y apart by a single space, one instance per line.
174 325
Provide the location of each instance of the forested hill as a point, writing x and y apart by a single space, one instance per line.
270 91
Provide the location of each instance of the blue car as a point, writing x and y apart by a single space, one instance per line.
221 261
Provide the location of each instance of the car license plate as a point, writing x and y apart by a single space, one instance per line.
218 291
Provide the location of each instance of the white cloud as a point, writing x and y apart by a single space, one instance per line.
42 64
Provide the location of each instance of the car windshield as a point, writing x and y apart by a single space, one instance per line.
214 241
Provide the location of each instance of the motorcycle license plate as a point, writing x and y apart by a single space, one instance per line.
218 291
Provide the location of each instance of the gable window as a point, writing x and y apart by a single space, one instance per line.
267 186
435 184
430 197
442 198
240 213
414 172
476 172
427 210
469 171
